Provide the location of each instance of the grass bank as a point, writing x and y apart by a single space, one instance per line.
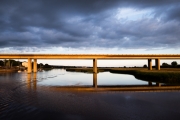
164 75
85 70
46 69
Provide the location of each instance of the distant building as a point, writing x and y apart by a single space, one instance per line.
25 64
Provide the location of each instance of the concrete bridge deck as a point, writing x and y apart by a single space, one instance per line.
94 57
90 56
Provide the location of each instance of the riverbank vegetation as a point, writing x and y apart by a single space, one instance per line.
86 70
11 65
165 75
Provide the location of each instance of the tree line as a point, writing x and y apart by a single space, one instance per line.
173 64
9 63
13 63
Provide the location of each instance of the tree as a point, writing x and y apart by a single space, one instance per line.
165 65
1 63
9 63
40 65
174 64
5 62
145 66
47 66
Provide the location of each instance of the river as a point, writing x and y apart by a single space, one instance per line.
30 96
60 77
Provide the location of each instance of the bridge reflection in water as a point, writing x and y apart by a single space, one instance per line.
32 80
95 80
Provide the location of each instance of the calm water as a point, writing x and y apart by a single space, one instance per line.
30 96
60 77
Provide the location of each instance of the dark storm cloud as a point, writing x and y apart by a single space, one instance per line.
173 13
88 23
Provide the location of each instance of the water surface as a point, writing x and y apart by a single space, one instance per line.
60 77
29 96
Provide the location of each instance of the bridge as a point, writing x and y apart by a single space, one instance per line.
94 57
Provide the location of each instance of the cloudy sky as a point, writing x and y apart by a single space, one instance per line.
90 26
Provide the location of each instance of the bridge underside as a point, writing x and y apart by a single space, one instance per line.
93 57
157 65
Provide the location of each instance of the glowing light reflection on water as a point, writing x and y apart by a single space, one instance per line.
60 77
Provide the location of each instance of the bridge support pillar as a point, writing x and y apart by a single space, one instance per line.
28 81
34 81
158 84
150 83
35 66
29 65
95 80
149 64
157 61
94 65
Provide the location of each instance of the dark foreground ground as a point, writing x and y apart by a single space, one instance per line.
33 102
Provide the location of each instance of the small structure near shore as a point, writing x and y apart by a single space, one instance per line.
25 64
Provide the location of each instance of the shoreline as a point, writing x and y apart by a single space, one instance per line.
140 88
7 70
168 76
165 75
16 70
